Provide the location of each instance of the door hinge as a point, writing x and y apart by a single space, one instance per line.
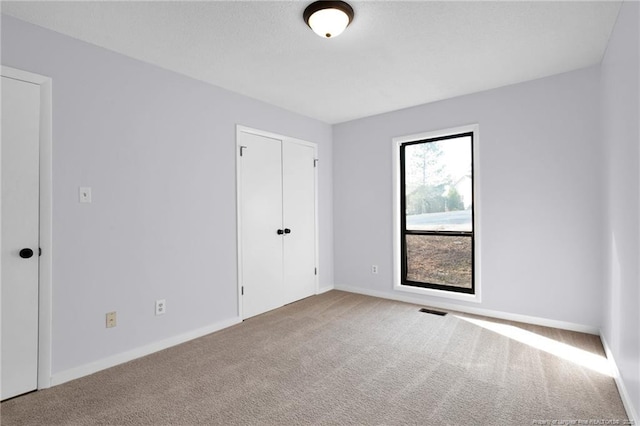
242 291
315 162
242 148
315 271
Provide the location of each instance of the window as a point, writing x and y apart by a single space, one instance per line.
435 212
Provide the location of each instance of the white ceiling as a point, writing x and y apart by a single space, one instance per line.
394 54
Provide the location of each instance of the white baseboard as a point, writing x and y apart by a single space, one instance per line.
624 395
564 325
111 361
324 289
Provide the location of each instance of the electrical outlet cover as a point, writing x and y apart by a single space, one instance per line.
161 307
111 319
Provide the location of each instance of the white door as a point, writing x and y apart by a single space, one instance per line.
298 183
20 199
260 220
277 229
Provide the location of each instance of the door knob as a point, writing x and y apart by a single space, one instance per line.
26 253
280 232
287 230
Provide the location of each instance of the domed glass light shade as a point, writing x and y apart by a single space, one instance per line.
328 19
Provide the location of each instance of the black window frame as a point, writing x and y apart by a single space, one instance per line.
403 220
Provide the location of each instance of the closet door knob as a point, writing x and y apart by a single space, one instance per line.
287 230
26 253
280 232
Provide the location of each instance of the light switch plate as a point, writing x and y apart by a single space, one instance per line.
84 194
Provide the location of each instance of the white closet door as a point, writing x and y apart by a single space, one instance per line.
298 218
20 198
261 218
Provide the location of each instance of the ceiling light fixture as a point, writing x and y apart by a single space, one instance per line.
328 18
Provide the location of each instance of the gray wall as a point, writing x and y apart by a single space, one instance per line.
621 135
158 149
541 190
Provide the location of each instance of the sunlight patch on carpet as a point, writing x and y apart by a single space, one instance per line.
578 356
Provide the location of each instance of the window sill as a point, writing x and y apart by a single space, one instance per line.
439 293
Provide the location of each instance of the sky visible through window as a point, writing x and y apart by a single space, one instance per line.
438 185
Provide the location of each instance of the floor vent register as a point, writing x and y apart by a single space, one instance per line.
431 311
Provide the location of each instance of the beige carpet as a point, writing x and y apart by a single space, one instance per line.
340 358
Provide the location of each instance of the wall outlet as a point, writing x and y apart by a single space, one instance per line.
161 307
374 269
111 319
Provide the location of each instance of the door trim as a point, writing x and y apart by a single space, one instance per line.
46 226
244 129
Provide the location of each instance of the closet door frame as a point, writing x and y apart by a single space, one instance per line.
284 139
